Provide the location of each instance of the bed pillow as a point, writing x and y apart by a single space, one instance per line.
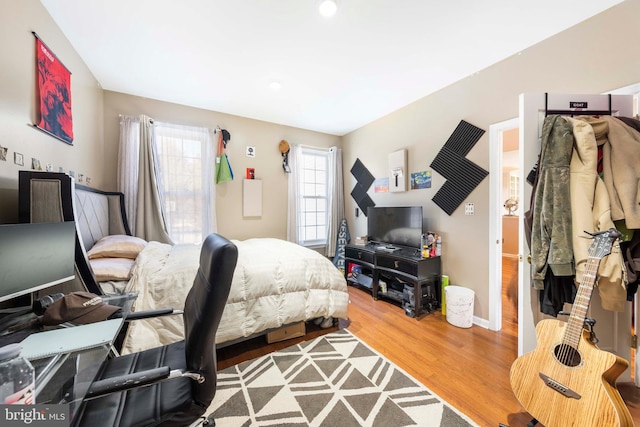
117 246
107 269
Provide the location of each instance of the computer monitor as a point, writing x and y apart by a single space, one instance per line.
34 256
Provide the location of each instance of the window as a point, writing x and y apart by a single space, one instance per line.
314 197
187 186
514 185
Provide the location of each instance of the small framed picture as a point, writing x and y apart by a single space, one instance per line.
3 153
18 159
35 164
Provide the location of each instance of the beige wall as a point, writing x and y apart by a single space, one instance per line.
596 56
18 103
95 125
244 132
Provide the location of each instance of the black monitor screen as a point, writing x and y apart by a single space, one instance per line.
35 256
395 225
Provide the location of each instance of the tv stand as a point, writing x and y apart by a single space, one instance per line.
402 264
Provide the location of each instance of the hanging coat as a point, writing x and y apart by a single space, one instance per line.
621 166
591 212
551 241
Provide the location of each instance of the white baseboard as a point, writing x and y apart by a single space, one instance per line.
481 322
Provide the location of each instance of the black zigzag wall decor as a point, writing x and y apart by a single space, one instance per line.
364 179
462 175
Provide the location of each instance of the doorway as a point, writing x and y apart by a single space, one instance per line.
513 205
505 214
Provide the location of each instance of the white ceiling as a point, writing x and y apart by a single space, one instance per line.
337 74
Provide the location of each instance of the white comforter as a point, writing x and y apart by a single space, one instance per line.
275 283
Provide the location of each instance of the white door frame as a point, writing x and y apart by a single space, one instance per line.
495 220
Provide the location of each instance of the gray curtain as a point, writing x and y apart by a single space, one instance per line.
336 199
128 159
145 206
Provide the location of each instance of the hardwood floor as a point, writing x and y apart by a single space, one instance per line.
469 368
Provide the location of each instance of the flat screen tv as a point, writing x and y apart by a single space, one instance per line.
400 225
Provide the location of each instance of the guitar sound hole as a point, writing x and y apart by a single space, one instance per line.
567 355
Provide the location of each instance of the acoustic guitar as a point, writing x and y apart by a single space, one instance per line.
567 380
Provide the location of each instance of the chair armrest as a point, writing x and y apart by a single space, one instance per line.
127 382
146 314
119 300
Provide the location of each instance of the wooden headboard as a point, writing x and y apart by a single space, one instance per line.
55 197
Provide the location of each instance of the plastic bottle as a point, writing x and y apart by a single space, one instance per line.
424 246
17 377
439 246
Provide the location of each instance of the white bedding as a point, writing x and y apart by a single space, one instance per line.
275 283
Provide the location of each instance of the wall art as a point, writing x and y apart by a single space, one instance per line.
398 171
381 185
461 174
420 180
364 179
35 164
54 94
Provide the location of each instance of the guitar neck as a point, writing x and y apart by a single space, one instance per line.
575 324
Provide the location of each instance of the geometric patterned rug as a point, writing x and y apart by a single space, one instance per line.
332 380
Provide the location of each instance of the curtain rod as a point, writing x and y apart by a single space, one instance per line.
134 117
315 148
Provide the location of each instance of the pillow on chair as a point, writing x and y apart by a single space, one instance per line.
116 269
117 246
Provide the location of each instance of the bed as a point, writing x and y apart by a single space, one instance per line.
276 283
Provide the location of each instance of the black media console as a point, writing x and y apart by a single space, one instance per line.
409 278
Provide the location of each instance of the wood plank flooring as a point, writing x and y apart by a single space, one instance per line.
469 368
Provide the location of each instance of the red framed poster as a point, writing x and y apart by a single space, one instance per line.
54 94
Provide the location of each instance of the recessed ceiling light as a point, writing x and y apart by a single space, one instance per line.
275 85
328 8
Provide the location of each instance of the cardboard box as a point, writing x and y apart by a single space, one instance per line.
287 332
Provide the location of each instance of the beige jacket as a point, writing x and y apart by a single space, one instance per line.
590 211
621 166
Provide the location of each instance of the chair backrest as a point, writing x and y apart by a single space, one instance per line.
203 309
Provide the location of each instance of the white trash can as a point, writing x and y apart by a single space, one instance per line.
459 306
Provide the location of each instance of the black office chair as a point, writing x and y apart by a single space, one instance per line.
182 374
